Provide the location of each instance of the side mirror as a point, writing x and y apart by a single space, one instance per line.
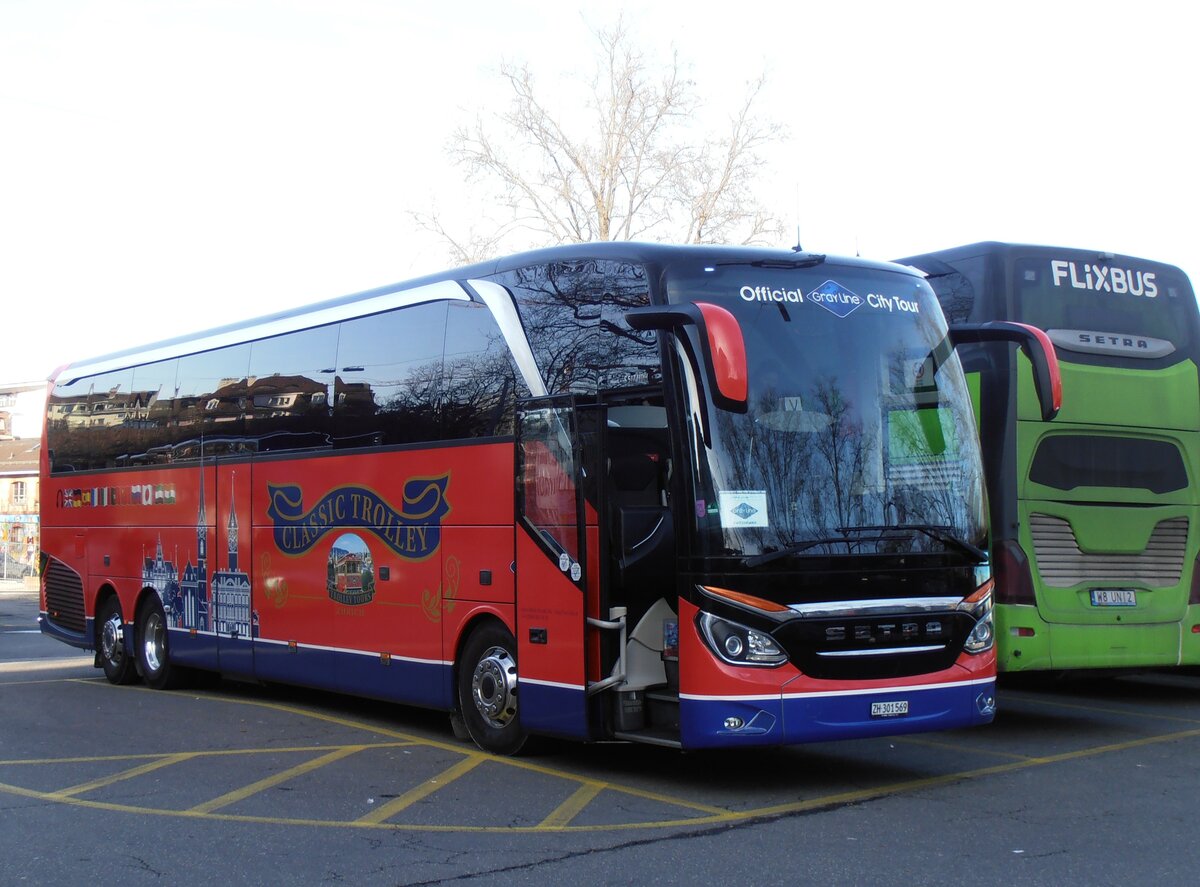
1047 381
724 349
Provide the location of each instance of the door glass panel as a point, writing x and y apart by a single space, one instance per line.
548 493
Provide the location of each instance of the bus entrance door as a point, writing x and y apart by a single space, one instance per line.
556 533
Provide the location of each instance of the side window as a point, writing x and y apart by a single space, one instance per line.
479 381
211 402
956 294
86 422
290 390
155 424
573 315
389 369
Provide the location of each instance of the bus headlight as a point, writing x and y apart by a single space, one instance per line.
979 605
739 645
982 636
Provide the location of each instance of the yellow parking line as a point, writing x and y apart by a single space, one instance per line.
149 767
211 753
410 797
271 781
959 747
451 746
948 778
1129 713
727 816
572 806
21 666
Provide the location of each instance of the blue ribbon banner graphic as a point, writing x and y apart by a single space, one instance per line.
413 533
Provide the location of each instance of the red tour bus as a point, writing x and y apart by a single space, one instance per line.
691 496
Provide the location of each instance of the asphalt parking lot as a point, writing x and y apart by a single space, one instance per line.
1090 782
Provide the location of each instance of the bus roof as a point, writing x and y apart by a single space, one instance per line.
930 261
329 310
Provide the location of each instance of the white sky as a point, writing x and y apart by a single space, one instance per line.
168 166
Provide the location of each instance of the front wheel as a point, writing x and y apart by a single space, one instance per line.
110 644
152 653
487 690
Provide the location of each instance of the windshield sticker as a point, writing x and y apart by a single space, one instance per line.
834 297
766 294
1103 278
743 508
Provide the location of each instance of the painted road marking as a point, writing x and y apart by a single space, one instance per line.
28 665
271 781
384 812
572 806
94 784
558 820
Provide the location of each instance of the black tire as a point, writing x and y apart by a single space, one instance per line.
152 652
110 643
487 690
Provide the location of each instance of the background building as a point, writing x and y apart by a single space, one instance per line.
22 407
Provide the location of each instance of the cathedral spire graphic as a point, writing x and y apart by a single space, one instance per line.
201 526
231 531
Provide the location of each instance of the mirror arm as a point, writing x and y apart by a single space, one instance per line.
1047 381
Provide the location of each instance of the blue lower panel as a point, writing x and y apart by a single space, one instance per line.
85 641
413 683
558 711
798 719
410 683
190 650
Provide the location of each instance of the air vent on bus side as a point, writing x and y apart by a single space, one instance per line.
64 598
1062 564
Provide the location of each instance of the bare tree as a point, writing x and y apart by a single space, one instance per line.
633 166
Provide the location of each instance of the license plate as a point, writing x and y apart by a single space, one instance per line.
889 709
1114 597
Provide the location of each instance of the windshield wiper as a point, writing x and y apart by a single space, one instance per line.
943 534
804 260
881 533
757 560
948 538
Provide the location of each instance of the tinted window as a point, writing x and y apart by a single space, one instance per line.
211 401
1067 461
573 315
479 381
154 431
956 294
290 390
1084 298
389 369
86 421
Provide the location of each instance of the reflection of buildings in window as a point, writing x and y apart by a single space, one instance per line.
102 410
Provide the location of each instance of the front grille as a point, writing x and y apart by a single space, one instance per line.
64 597
1062 564
868 647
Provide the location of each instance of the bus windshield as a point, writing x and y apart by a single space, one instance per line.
858 437
1119 307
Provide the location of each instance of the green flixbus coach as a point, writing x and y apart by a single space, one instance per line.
1095 517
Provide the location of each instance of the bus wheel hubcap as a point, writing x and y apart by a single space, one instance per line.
154 642
494 687
110 638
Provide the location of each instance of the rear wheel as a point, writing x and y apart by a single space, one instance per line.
110 643
487 690
152 652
